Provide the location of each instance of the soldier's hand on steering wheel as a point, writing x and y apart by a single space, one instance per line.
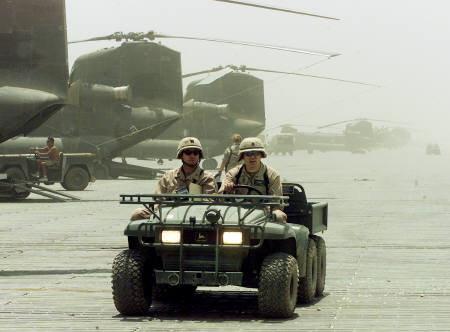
228 187
250 189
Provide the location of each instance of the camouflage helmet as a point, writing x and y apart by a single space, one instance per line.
189 143
251 144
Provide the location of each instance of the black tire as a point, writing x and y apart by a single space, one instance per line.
307 284
132 282
321 264
16 173
278 283
166 292
76 179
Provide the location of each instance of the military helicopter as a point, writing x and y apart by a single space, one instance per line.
132 94
359 136
362 134
233 85
34 86
33 64
131 84
33 72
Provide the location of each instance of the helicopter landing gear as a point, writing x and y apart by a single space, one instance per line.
209 164
160 162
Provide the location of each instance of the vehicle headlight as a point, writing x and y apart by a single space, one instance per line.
232 237
170 236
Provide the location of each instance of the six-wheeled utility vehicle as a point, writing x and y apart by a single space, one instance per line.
219 240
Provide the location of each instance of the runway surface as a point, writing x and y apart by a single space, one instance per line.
388 248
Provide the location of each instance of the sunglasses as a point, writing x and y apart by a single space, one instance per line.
189 152
252 153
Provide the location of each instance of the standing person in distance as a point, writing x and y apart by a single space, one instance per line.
231 156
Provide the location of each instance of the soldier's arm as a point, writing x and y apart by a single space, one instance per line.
224 161
228 182
42 150
161 187
45 152
209 185
275 187
143 213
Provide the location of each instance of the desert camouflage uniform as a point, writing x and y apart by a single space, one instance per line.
269 186
175 180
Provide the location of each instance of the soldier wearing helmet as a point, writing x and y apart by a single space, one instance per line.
189 178
231 155
254 173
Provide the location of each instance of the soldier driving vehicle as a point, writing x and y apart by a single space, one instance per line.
230 156
50 152
189 178
218 240
262 179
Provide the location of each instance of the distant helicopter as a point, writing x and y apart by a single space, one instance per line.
361 133
359 136
233 85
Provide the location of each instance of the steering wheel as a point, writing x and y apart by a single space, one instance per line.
249 190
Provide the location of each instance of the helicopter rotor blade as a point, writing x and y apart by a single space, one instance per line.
250 4
359 119
151 35
245 68
203 72
312 76
117 36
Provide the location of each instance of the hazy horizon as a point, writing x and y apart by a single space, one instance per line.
398 45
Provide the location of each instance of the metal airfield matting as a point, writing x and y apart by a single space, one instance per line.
388 254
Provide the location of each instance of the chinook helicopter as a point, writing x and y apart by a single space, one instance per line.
34 86
233 85
128 86
33 64
358 136
361 133
134 94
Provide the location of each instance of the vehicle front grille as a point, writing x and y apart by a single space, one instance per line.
199 261
199 236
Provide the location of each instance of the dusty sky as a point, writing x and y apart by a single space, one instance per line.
401 45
